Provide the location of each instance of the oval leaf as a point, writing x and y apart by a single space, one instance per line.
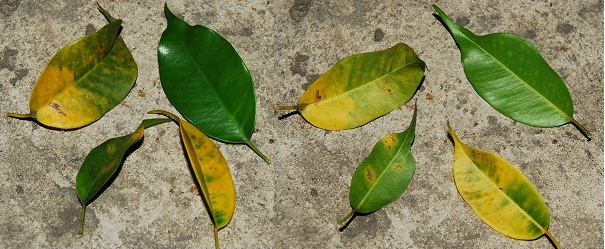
211 171
103 161
207 81
499 193
84 80
511 75
385 174
361 88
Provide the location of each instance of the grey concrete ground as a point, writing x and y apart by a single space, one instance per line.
297 200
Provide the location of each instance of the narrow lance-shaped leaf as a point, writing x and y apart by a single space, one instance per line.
84 80
211 172
103 161
361 88
499 193
385 174
511 75
206 80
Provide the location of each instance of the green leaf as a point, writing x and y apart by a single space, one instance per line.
511 75
385 174
103 161
84 80
361 88
499 193
207 82
211 172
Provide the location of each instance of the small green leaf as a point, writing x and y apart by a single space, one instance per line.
361 88
103 161
511 75
211 172
207 81
385 174
84 80
499 193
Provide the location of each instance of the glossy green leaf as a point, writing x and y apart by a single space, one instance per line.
84 80
102 162
207 81
511 75
385 174
499 193
361 88
211 172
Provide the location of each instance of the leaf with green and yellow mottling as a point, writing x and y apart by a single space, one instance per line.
211 172
361 88
83 80
385 174
499 193
102 162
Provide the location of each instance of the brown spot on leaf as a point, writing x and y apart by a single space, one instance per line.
57 108
369 175
101 49
398 167
317 96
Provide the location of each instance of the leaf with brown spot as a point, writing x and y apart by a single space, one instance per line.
385 174
360 88
84 80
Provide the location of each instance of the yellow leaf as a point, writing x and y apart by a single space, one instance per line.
499 193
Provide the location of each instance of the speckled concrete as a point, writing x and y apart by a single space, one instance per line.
296 201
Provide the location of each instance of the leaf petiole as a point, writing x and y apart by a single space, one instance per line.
249 143
82 219
349 216
552 239
582 129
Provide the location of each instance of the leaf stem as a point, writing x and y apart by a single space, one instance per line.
582 129
216 245
552 240
249 143
167 114
82 219
347 218
286 107
19 116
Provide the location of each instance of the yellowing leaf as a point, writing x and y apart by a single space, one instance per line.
499 193
211 171
361 88
83 80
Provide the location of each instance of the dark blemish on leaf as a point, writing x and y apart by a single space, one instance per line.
317 96
369 175
462 21
57 108
300 64
398 167
300 9
530 34
90 29
314 192
101 49
246 32
378 35
565 28
8 7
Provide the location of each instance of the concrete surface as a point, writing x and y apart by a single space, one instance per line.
296 201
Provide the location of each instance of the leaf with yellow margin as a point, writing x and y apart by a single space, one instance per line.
211 172
361 88
499 193
83 80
